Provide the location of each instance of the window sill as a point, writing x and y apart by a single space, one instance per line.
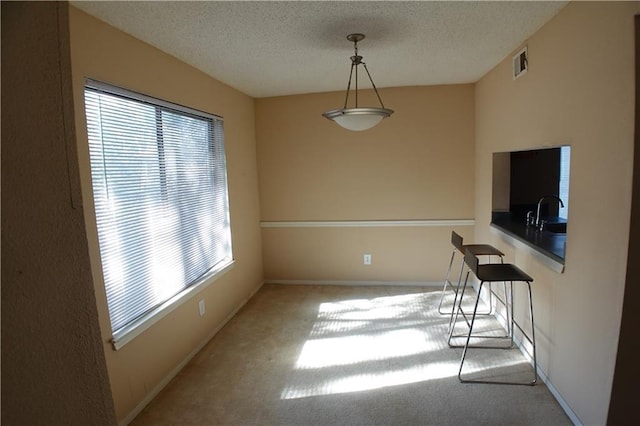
130 332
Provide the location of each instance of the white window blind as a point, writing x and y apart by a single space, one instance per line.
563 186
160 193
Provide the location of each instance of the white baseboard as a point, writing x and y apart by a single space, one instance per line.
173 373
568 411
356 283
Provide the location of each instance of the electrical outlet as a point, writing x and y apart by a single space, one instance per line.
367 259
201 307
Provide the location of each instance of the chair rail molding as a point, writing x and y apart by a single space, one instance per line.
367 223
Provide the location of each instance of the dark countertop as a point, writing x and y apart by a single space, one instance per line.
548 243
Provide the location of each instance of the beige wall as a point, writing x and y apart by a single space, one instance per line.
53 365
415 165
578 91
100 52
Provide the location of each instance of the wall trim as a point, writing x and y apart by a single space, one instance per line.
356 283
563 404
366 223
174 372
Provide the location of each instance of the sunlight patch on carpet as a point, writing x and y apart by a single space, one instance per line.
369 344
373 380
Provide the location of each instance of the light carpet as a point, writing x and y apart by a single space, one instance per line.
337 355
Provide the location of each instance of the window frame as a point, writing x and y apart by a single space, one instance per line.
128 332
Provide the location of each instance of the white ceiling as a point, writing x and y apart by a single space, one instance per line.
273 48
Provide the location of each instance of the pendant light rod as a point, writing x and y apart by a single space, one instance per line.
356 59
375 89
356 83
346 98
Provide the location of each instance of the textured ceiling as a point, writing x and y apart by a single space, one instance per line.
273 48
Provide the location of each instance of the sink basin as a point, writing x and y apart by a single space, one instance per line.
556 227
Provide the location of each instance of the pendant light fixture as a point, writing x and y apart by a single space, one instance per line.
358 118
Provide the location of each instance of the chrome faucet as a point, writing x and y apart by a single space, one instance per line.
538 224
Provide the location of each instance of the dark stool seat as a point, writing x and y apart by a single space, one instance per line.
482 250
495 272
488 273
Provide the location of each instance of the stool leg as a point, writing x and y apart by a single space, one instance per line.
444 288
533 337
466 346
457 307
506 308
511 298
491 295
457 300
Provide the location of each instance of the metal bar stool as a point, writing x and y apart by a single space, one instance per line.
478 250
497 272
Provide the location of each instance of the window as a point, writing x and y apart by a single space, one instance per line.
160 193
529 187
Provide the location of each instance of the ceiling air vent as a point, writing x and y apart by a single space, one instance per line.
520 63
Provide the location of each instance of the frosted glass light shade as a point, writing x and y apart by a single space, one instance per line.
358 118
